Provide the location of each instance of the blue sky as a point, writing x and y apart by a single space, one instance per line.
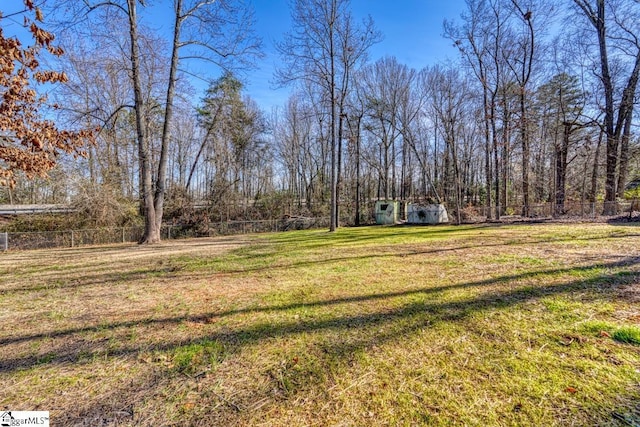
412 32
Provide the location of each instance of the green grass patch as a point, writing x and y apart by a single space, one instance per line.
628 334
623 334
196 357
46 358
563 307
524 260
492 325
598 326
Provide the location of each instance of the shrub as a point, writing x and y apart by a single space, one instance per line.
104 206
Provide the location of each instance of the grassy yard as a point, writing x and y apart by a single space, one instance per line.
487 325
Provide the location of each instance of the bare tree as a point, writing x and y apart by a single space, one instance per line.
563 103
218 32
323 48
448 95
387 84
302 159
99 94
480 38
605 16
520 62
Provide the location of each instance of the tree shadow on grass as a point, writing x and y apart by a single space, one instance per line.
626 220
373 234
106 279
259 253
350 333
256 250
79 351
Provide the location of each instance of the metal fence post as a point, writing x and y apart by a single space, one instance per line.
72 238
4 241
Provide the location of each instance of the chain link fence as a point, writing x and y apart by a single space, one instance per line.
569 210
104 236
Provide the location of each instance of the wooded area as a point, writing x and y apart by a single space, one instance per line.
537 110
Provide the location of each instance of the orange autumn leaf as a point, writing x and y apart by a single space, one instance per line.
28 142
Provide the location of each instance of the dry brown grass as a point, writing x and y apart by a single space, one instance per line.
479 325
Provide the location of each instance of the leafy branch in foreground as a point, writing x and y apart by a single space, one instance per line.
29 142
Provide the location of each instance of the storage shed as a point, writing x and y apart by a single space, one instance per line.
426 214
387 211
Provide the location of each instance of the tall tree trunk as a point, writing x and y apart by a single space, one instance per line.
339 159
624 155
456 178
168 117
436 166
612 141
504 181
332 132
487 151
610 176
394 177
593 193
496 160
597 19
527 63
524 135
561 170
151 230
192 170
358 190
506 153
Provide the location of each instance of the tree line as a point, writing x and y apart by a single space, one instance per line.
537 109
